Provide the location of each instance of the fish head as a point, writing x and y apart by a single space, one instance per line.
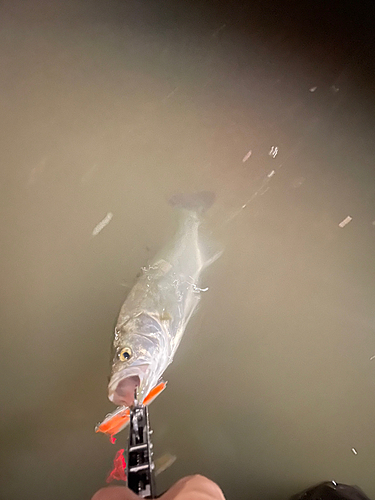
138 362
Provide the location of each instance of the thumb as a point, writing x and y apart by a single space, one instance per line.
115 493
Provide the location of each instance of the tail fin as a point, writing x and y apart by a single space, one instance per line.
197 202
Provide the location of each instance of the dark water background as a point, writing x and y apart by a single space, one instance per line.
111 107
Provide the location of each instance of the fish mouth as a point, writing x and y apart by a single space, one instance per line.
122 386
125 391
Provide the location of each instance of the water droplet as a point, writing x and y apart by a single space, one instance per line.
273 151
346 221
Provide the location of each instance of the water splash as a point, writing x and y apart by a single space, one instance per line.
107 219
345 221
273 151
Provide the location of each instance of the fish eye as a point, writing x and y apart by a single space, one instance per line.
125 354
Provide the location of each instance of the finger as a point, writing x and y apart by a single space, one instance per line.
115 493
194 488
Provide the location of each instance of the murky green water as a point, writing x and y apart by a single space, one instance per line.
109 108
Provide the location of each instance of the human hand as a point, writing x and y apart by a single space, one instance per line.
189 488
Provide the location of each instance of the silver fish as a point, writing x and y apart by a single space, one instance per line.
154 316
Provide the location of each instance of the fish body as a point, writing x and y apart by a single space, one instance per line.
154 316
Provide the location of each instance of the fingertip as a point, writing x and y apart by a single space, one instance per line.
115 493
208 486
197 487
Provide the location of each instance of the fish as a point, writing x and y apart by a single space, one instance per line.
154 316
